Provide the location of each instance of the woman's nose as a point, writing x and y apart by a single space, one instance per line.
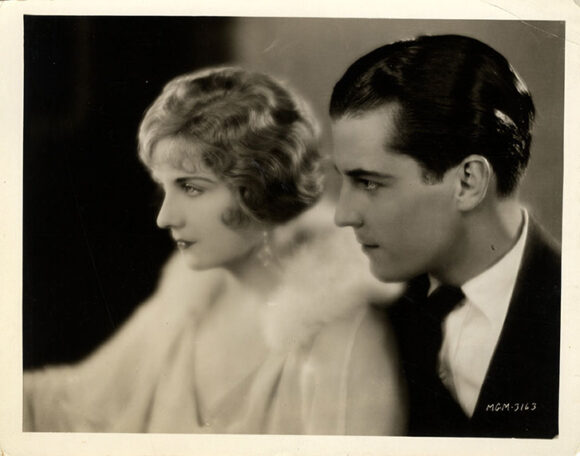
347 213
169 214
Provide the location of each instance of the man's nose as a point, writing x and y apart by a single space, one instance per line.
169 215
347 213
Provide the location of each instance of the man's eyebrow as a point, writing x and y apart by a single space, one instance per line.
360 172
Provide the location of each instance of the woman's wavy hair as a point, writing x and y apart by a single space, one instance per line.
252 131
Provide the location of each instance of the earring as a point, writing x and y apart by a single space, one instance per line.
265 254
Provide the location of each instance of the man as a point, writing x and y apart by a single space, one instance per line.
431 138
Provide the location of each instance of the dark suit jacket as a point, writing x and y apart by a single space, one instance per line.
519 396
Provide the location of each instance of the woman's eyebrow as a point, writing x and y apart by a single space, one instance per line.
195 177
180 179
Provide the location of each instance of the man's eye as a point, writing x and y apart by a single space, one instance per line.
368 185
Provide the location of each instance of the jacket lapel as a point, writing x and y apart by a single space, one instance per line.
519 396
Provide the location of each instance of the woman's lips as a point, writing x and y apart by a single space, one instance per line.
183 245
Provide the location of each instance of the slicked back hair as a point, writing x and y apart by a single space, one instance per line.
457 97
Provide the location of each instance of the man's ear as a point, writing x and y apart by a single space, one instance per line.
474 177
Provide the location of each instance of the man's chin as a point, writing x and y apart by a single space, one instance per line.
382 274
388 274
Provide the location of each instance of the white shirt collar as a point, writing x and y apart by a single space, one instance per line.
491 291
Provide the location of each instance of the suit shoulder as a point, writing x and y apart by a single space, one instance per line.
541 264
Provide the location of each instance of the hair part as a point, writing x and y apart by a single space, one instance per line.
252 131
457 96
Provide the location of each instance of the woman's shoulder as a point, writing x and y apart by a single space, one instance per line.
355 358
326 281
362 332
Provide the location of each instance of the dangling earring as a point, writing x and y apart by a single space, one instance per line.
265 254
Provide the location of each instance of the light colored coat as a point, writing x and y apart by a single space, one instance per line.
331 366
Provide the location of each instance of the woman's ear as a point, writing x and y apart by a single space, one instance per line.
474 177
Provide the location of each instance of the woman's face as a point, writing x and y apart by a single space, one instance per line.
194 204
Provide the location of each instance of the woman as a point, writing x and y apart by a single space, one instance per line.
261 324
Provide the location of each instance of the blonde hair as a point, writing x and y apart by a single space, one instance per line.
256 134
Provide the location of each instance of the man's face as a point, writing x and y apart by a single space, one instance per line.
406 225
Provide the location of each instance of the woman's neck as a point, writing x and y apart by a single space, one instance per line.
253 275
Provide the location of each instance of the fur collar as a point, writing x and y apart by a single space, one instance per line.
326 277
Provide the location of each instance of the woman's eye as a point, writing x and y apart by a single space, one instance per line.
191 189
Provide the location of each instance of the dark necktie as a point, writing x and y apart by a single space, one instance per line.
437 306
418 319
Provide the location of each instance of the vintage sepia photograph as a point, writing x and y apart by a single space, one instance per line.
305 231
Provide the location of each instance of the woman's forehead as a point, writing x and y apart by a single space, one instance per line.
180 154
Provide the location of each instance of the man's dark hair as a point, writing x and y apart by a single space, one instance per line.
457 97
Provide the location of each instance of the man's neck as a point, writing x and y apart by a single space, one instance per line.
489 234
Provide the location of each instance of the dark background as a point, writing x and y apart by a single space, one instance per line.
92 251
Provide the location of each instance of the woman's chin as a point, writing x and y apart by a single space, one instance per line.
196 264
235 261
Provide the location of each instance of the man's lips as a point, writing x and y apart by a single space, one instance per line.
367 244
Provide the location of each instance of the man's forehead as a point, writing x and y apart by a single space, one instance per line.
363 139
383 116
